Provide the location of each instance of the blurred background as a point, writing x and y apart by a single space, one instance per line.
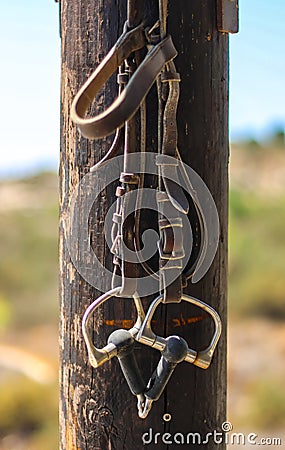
29 86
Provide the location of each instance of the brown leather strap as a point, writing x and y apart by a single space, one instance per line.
172 203
169 144
131 97
125 271
171 249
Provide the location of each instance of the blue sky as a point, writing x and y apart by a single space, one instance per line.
257 69
30 79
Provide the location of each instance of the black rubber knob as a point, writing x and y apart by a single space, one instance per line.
174 352
125 342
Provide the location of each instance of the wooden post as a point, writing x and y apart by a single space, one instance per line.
97 411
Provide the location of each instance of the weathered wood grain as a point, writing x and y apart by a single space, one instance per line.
97 410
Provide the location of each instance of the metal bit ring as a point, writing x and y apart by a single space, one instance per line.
202 358
98 356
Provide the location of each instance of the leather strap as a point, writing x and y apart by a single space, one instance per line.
169 143
125 272
137 74
128 102
172 203
171 249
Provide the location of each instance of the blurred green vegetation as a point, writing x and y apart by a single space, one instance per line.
257 262
5 313
28 298
29 286
266 410
28 247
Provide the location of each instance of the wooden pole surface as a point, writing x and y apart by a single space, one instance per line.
97 410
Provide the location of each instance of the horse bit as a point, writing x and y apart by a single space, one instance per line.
143 56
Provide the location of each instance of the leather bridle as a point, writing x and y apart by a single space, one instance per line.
136 75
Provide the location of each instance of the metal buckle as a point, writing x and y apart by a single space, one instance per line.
98 356
201 358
